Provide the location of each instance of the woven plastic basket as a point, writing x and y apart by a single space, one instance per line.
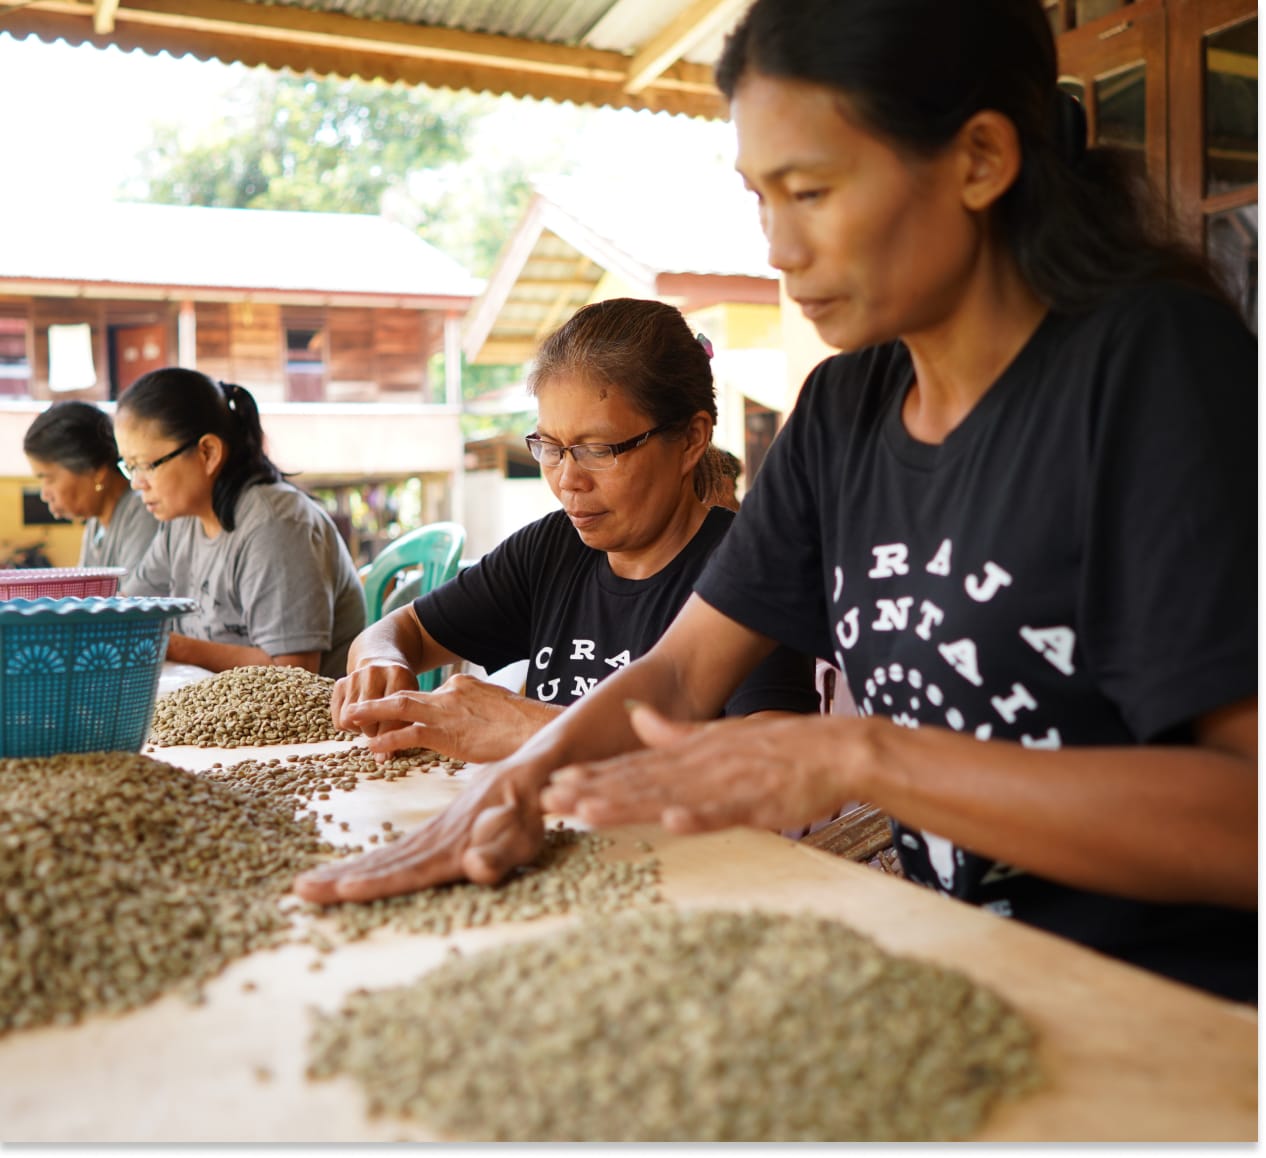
80 675
60 582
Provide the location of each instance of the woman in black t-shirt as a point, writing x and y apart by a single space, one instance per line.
627 405
1018 510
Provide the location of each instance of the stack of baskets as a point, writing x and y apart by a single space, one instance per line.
79 664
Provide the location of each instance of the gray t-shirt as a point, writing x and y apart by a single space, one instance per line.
282 580
124 541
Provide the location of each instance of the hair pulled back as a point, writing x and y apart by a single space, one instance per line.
186 404
645 350
1079 221
75 435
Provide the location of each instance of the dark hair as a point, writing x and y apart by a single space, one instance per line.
75 435
645 350
185 405
1080 222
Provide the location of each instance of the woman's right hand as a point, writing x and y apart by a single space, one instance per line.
494 826
373 680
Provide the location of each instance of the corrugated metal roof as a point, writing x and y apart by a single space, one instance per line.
554 21
240 249
654 54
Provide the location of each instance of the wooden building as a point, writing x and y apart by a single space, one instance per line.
335 322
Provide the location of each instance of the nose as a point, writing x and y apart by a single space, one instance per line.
787 250
572 476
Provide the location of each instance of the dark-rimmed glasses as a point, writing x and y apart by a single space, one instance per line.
137 469
590 455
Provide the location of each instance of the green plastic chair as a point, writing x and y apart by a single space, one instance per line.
427 557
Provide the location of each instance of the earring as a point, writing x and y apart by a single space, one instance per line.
100 488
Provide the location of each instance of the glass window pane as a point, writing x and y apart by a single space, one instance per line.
1231 244
1122 104
1230 96
15 366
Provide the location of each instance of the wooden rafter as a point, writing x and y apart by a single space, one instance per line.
285 36
103 16
695 23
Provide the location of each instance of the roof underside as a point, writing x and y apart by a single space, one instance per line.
646 235
653 54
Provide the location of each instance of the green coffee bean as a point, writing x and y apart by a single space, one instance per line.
684 1027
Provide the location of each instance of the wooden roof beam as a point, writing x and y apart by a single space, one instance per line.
103 16
695 23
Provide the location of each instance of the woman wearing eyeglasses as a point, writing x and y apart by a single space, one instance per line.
626 408
72 453
273 579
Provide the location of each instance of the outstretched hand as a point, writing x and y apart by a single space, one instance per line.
493 827
761 772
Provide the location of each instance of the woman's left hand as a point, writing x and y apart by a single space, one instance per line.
467 718
774 773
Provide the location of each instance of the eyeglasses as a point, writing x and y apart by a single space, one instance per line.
590 455
134 470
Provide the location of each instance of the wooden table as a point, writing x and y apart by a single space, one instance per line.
1129 1056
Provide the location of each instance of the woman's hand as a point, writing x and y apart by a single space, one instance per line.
775 772
369 683
467 718
494 826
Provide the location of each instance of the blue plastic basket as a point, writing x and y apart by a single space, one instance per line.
80 675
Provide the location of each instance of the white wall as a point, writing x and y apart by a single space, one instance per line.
496 506
346 439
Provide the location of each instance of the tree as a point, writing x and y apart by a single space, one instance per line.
289 142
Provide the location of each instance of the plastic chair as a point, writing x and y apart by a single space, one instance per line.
431 555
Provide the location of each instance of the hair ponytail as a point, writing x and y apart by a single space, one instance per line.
186 404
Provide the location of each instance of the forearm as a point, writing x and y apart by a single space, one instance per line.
398 639
598 726
219 657
1174 824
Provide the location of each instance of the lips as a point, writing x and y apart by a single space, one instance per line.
814 308
582 519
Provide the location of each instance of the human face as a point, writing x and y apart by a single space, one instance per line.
626 509
69 494
180 486
873 244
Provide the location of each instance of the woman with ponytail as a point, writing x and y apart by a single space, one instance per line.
273 578
1018 510
624 438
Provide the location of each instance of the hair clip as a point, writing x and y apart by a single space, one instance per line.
703 341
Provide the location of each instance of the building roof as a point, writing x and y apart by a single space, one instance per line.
284 256
693 239
654 54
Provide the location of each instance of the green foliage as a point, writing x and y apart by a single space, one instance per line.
326 145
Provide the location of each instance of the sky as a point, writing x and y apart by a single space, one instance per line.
83 113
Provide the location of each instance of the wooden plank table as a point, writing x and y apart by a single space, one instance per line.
1128 1056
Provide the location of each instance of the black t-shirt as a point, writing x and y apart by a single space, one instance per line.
542 595
1074 565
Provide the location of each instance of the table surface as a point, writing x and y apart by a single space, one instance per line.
1128 1056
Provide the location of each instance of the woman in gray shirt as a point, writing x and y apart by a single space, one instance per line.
272 577
72 453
